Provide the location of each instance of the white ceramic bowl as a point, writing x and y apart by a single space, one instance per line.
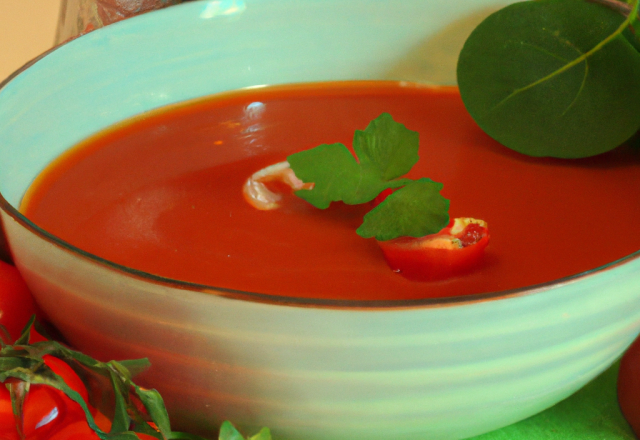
432 369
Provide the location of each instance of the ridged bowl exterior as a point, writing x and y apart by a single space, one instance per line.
325 371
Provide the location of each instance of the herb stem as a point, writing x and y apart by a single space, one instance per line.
633 13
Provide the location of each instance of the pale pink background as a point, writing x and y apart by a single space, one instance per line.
27 28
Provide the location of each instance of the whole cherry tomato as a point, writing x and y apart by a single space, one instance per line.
46 410
16 303
629 386
80 430
8 425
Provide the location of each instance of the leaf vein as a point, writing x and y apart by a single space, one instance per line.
576 61
582 86
545 51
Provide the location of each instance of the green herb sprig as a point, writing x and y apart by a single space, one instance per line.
24 361
384 152
557 78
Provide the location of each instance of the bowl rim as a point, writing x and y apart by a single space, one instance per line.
346 304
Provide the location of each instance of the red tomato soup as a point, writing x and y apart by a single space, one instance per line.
162 193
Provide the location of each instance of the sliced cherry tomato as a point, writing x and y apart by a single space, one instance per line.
16 303
455 250
629 386
383 195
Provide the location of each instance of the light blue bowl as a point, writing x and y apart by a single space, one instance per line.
432 369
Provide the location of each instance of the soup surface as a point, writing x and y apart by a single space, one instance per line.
162 193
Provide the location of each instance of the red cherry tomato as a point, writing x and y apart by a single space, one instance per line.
101 420
629 386
145 436
8 426
383 195
78 430
34 336
46 410
16 303
62 369
455 250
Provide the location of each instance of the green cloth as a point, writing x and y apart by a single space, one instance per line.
590 414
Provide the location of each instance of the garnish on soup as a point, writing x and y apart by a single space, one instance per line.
412 211
557 78
454 250
258 195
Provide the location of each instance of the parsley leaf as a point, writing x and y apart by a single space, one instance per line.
333 170
415 210
229 432
386 148
384 151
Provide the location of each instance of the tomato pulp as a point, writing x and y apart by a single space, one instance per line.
162 194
